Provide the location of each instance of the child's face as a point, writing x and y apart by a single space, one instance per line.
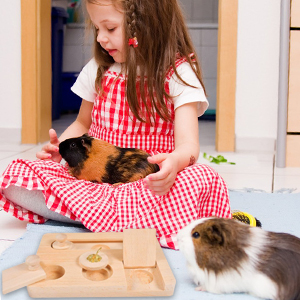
109 24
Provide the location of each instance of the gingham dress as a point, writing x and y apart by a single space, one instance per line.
197 192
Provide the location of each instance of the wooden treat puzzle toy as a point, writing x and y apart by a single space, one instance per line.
109 264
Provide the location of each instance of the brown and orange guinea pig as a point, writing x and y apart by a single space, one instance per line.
227 256
95 160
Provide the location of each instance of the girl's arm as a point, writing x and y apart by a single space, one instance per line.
80 126
186 135
186 150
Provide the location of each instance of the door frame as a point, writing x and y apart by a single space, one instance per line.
37 74
226 75
36 70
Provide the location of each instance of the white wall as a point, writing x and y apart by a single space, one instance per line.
10 71
257 74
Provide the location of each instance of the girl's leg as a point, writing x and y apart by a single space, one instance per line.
34 201
198 192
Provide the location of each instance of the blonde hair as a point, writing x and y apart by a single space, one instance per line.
162 35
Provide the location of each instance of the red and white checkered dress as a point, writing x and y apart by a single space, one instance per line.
197 192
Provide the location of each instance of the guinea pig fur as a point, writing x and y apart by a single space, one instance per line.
98 161
227 256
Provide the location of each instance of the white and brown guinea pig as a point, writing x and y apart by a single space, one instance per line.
98 161
227 256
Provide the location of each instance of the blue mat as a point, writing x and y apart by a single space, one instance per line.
277 212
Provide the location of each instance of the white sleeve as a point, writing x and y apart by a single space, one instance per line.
84 86
184 94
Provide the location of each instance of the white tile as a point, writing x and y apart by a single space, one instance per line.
287 171
287 184
202 11
254 144
245 163
88 37
211 90
187 8
73 58
10 135
247 182
209 37
15 147
4 154
4 244
10 227
74 36
3 166
207 133
215 10
208 61
88 53
29 154
196 36
198 51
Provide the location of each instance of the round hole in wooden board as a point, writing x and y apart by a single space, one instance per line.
53 272
139 279
142 276
98 275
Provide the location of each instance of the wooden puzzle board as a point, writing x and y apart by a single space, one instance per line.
66 278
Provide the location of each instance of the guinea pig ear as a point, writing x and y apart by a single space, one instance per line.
86 144
215 236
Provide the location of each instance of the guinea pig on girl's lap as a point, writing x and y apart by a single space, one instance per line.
227 256
95 160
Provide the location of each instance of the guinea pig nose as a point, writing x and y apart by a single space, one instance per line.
196 235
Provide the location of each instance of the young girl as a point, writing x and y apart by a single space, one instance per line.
142 89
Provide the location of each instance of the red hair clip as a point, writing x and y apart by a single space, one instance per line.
133 42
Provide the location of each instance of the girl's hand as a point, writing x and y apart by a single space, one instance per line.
161 182
50 150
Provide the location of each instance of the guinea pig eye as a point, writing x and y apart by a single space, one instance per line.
196 235
73 145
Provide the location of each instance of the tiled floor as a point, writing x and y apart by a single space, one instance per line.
252 172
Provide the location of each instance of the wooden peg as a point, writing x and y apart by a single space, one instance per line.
33 262
22 275
61 242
